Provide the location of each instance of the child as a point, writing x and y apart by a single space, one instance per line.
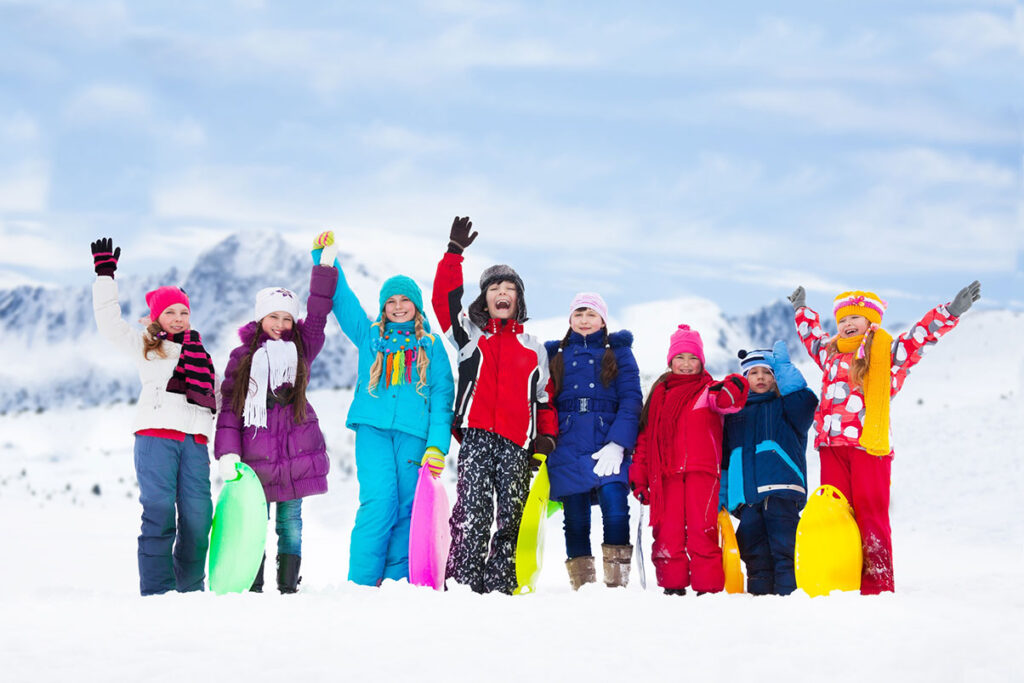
864 367
267 423
501 405
173 422
765 465
401 413
676 465
596 388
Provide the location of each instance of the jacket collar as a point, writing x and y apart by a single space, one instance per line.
496 326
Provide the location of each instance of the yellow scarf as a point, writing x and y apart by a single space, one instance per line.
875 435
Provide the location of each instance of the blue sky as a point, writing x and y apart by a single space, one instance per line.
670 149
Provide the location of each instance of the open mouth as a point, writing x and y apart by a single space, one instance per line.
503 305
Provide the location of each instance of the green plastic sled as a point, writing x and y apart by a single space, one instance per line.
530 544
239 533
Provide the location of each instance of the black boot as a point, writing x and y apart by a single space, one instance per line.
288 573
257 583
675 591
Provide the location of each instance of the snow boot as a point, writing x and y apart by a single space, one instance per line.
675 591
581 570
617 559
257 583
288 573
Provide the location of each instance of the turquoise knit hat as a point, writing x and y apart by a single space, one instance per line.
407 287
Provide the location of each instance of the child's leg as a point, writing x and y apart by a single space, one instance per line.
378 505
512 486
701 509
408 454
870 478
835 468
755 551
576 510
781 515
288 522
474 509
614 501
668 551
195 515
156 468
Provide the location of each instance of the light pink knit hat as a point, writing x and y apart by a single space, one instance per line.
590 300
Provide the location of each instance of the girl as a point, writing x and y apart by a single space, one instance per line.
267 423
864 367
765 465
173 422
401 413
596 389
676 465
502 410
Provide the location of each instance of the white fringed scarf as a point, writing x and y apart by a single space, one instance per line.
273 364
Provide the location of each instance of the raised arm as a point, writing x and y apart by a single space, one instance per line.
105 305
322 286
446 296
808 326
350 314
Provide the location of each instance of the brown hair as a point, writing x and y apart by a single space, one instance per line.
296 394
647 401
858 366
609 364
152 342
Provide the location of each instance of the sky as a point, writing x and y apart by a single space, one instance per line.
665 150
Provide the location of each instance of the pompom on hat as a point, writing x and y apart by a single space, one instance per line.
590 300
272 299
685 340
160 298
867 304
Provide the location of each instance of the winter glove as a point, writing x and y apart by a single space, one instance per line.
226 465
544 444
434 459
536 460
325 241
787 377
104 256
963 300
639 483
609 459
798 298
731 392
460 237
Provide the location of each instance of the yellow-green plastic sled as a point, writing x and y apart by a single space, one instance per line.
828 552
530 544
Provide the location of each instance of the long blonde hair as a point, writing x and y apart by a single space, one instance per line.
858 366
422 358
152 342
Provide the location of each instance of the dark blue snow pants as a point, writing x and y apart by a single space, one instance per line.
766 537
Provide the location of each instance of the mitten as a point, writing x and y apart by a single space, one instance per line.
104 256
434 459
639 483
609 459
798 298
459 238
787 377
536 460
964 299
544 444
329 253
226 466
730 392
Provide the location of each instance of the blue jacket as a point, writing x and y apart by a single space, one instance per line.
424 413
590 414
764 448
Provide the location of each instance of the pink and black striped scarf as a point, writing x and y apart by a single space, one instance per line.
194 373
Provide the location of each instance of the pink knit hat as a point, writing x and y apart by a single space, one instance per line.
685 340
590 300
160 298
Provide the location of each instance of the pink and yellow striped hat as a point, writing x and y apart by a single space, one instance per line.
867 304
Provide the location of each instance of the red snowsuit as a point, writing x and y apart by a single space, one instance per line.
678 457
863 478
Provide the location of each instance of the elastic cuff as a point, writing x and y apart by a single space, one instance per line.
454 248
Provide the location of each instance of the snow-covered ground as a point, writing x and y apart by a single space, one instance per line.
69 518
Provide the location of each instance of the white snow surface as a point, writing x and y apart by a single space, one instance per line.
72 611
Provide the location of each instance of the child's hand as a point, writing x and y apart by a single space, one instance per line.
329 253
434 459
639 483
609 459
964 299
798 298
226 466
460 238
731 391
641 493
104 256
787 378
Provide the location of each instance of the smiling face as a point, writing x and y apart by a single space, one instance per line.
277 323
852 325
502 298
686 364
399 309
761 379
585 321
174 319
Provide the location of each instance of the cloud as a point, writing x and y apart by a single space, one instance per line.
965 37
101 103
19 128
24 188
925 167
401 139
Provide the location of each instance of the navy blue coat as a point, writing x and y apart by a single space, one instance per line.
764 448
590 414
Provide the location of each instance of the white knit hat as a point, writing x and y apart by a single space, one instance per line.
273 299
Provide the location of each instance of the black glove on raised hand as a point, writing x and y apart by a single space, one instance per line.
460 237
798 298
104 256
964 299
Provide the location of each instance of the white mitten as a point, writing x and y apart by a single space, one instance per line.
609 459
226 464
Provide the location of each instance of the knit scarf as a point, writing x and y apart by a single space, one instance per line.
194 373
874 436
274 364
401 350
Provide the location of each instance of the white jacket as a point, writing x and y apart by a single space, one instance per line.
157 408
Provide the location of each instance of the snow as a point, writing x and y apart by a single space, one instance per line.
72 610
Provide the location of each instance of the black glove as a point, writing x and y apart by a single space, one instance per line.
798 298
104 256
460 237
964 299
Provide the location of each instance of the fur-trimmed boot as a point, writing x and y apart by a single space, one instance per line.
257 583
581 570
288 573
617 560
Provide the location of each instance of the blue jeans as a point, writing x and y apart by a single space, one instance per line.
172 553
614 501
288 519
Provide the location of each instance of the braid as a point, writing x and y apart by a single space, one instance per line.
556 366
378 365
609 363
422 358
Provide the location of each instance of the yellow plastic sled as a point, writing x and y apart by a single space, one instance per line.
530 544
730 553
828 553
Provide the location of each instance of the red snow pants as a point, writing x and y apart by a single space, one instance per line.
864 480
685 550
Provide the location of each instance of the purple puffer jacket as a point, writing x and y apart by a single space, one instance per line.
290 459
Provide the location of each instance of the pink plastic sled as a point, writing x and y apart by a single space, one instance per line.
429 535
